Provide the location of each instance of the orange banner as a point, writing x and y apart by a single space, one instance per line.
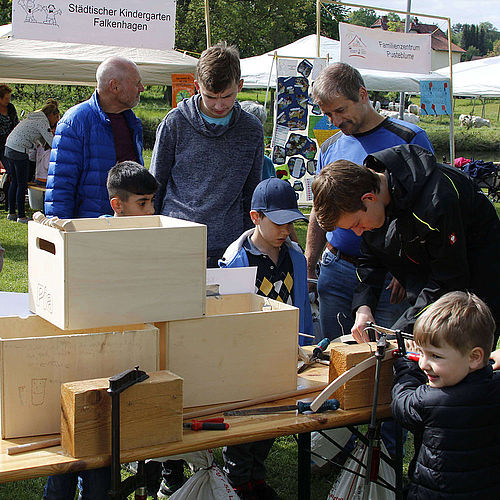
182 87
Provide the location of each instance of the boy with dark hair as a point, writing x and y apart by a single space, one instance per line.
208 154
131 189
452 402
281 275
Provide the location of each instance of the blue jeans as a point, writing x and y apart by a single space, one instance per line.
336 283
93 484
19 169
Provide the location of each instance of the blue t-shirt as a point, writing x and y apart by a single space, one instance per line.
217 121
391 132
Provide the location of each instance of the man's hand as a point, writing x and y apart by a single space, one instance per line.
495 356
363 316
398 293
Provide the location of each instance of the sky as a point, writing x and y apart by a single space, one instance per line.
460 11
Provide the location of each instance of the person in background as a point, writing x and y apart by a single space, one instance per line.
91 138
8 120
260 112
34 129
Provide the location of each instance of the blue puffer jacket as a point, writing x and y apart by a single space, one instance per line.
83 151
236 256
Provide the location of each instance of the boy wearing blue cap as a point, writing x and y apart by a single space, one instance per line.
281 275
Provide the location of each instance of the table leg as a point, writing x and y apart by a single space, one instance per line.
304 466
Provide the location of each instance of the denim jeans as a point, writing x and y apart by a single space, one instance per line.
19 169
336 283
93 484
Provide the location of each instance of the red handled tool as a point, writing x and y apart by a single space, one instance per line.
210 424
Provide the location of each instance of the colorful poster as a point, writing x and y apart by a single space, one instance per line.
127 23
370 48
182 87
435 97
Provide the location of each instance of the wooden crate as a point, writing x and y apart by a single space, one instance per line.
236 352
358 392
116 270
36 357
150 414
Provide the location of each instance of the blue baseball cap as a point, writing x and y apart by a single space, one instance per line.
276 199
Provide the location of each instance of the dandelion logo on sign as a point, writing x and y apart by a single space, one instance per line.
39 13
356 47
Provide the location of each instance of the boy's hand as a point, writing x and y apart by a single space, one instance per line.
363 316
495 356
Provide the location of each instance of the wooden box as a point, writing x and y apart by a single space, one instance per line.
237 351
36 357
358 392
116 270
150 414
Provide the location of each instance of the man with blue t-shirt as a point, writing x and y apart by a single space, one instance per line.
342 96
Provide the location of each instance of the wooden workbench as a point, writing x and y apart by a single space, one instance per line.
242 429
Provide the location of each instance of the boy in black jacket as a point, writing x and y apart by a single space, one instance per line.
452 402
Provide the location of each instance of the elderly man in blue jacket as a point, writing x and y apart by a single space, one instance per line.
91 138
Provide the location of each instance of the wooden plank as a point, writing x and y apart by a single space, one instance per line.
83 278
32 370
234 356
150 414
358 392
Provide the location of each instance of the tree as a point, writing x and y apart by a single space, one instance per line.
363 17
5 11
495 51
393 22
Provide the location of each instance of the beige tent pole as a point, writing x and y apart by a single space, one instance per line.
207 23
452 117
318 26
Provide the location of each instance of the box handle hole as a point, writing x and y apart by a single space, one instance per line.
45 245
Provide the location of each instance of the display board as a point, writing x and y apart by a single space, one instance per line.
299 125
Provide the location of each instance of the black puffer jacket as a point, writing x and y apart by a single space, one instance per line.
459 429
441 234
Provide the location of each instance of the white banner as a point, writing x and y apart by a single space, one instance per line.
373 48
128 23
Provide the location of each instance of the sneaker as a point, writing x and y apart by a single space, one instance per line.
263 491
12 217
23 220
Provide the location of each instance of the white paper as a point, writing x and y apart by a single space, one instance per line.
233 280
14 304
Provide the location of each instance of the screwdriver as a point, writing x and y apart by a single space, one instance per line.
300 407
211 424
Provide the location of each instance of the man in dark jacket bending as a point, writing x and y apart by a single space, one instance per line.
426 223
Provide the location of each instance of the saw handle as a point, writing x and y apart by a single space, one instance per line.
328 405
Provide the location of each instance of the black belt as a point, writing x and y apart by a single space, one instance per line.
343 256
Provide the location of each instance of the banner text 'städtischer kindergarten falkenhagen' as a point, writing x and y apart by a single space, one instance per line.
127 23
369 48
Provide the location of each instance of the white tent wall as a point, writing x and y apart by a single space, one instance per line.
476 78
32 61
255 70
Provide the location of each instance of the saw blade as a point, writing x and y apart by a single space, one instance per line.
261 411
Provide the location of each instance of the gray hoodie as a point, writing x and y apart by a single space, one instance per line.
207 173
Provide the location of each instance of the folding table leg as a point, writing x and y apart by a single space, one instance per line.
304 466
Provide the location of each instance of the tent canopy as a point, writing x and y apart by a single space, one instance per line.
255 70
476 78
33 61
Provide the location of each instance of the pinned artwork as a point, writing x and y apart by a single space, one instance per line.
301 145
279 155
283 172
292 102
298 186
311 167
297 167
305 68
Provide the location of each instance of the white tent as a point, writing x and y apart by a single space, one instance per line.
33 61
476 78
255 70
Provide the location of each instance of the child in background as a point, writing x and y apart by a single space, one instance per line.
281 275
131 189
452 402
